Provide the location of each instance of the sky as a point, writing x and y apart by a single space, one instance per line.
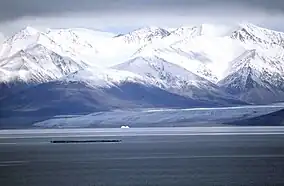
121 16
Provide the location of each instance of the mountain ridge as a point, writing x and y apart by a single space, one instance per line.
220 65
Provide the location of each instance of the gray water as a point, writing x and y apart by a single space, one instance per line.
242 159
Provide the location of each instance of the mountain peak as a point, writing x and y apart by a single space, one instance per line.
20 40
150 29
25 32
247 25
30 30
144 34
245 60
37 64
265 38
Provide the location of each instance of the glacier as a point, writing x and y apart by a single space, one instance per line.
159 117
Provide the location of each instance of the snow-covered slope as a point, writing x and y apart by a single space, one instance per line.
190 32
34 65
195 62
2 38
174 78
78 44
164 74
210 53
252 36
204 50
255 78
37 64
103 78
19 41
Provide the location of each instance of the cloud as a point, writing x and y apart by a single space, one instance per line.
14 9
120 15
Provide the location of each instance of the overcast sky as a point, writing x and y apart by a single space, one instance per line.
124 15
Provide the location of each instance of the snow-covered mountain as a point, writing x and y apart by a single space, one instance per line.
253 36
19 41
185 33
78 44
34 65
209 63
175 79
195 62
37 64
255 78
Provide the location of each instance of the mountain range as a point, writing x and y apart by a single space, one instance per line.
76 70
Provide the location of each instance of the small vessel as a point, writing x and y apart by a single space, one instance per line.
124 127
